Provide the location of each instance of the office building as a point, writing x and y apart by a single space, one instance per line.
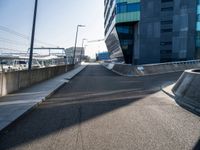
79 55
152 31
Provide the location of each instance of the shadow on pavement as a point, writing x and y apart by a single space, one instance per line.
197 146
49 119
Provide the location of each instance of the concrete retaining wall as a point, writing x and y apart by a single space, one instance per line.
13 81
166 68
151 69
122 69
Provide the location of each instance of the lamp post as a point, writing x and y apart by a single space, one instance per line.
32 36
74 61
82 49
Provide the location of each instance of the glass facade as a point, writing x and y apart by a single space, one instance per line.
127 11
126 33
127 7
152 31
119 31
198 30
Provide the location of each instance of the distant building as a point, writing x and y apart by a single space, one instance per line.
152 31
80 53
102 56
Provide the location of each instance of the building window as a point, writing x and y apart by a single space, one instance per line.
166 30
198 31
164 1
167 22
127 7
164 52
165 43
167 9
124 30
133 7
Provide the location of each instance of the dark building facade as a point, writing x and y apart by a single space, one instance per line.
198 30
152 31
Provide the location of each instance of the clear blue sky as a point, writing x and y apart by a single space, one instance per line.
56 22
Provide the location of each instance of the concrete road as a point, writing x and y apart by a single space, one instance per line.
99 110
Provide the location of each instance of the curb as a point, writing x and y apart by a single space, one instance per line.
11 124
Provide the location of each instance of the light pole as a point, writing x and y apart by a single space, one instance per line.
32 36
74 61
82 49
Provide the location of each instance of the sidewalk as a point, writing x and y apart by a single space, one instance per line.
13 106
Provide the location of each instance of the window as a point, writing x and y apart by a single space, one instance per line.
133 7
127 7
166 30
167 9
166 22
121 7
164 1
164 52
165 43
124 30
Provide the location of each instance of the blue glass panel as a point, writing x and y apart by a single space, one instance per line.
124 30
121 8
133 7
197 42
198 26
198 9
127 7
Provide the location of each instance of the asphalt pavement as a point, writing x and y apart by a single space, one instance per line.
99 110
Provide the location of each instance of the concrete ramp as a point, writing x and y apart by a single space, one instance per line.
187 89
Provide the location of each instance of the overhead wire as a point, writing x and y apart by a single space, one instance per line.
13 32
5 40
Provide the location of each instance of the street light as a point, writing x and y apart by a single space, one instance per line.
32 36
74 61
83 40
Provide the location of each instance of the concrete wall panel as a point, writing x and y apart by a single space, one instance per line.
13 81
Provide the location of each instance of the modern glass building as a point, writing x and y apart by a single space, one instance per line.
198 30
151 31
121 19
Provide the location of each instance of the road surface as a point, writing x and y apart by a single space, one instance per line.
99 110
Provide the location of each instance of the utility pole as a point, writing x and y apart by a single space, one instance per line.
32 36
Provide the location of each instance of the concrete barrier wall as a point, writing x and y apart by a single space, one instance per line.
188 86
163 68
151 69
127 70
13 81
